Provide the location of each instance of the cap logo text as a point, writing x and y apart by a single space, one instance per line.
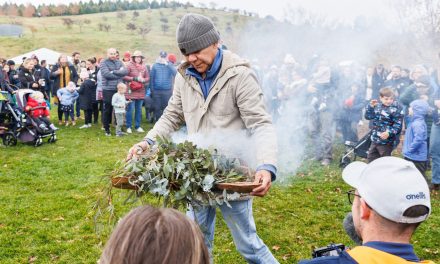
420 195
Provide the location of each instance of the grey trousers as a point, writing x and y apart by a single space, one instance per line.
120 121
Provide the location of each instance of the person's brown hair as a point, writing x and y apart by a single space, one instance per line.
386 92
92 60
157 236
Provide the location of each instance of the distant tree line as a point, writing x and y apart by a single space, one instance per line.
85 7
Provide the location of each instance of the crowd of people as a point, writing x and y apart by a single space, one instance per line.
89 85
354 100
216 90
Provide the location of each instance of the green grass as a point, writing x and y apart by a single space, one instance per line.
47 194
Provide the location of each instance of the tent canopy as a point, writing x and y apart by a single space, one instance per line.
49 55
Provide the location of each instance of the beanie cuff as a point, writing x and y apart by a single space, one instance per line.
199 43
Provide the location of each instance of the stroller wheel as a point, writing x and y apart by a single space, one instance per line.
52 139
38 142
344 162
9 139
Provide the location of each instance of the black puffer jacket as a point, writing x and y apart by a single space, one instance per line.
87 94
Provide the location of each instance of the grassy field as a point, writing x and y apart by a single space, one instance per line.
47 194
51 33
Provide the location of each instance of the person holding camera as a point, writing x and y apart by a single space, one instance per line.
390 200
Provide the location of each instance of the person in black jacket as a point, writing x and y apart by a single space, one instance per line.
31 79
62 73
45 74
87 94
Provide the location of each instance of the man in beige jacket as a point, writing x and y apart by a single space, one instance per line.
216 90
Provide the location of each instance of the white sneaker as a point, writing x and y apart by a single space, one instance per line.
89 125
129 130
84 126
140 130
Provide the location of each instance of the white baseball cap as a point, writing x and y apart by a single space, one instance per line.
389 185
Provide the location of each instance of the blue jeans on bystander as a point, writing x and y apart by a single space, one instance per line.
136 105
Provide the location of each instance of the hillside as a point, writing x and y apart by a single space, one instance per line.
50 32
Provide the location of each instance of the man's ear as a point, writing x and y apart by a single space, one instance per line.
365 210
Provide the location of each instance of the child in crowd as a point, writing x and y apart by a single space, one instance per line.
67 97
37 108
387 123
87 97
415 146
119 103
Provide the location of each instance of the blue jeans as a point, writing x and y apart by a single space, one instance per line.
434 147
241 223
77 108
135 104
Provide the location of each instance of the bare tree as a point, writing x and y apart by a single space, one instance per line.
132 27
107 27
68 22
165 28
80 24
135 15
420 17
33 30
144 30
121 15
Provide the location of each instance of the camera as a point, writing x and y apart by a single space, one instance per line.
330 250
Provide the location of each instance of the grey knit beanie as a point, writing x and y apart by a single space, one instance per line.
195 32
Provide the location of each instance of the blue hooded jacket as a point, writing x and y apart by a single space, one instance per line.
415 146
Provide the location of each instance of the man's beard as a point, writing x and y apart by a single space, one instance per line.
76 61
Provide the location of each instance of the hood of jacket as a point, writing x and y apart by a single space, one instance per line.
420 109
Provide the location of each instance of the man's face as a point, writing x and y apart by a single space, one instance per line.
111 54
202 59
355 210
77 57
396 72
386 100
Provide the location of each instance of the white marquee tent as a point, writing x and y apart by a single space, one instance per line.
49 55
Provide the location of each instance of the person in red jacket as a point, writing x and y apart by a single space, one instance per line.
37 108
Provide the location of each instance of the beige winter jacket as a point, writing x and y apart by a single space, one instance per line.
235 102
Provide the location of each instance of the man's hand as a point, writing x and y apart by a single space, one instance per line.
384 135
137 149
263 177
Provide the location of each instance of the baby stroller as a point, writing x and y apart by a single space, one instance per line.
23 126
10 118
355 149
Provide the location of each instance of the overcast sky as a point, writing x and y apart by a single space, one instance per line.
345 9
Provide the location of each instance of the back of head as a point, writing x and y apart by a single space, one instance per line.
152 235
195 32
